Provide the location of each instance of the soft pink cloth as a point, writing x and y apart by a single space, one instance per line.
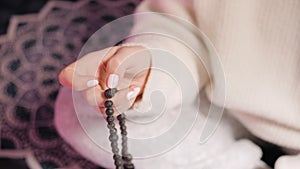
221 151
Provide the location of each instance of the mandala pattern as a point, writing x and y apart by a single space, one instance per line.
32 53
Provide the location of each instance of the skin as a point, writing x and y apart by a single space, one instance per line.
131 64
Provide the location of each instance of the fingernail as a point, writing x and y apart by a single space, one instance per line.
113 80
92 83
134 93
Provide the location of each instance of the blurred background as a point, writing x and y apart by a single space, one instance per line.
37 39
17 7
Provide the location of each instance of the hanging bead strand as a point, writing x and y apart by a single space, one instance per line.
113 136
124 162
127 158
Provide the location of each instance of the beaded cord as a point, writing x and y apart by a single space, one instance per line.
124 161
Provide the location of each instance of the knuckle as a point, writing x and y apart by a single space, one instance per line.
114 62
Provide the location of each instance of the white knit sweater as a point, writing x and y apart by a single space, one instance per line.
258 43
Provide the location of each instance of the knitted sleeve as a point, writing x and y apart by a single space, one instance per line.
169 26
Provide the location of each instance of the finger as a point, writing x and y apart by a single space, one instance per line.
76 81
83 73
107 77
124 99
123 64
94 96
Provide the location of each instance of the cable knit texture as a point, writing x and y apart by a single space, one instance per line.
258 45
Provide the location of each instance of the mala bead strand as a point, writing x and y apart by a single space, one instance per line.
127 158
113 136
124 161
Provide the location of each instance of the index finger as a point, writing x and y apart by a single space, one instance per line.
84 73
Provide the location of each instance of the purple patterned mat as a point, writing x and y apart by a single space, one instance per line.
32 53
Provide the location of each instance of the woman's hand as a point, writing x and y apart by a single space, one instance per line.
123 67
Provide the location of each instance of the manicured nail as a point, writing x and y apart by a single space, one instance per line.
134 93
92 83
113 80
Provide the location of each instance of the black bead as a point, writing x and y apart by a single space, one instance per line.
117 156
121 117
124 132
108 103
115 150
119 167
110 125
124 144
109 111
110 118
113 137
123 127
118 162
127 157
124 139
112 130
110 93
114 145
128 166
122 123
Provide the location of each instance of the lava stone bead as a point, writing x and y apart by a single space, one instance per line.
121 117
124 132
108 104
110 93
118 162
124 144
115 150
127 157
124 139
111 125
113 137
123 128
112 130
114 144
117 156
128 166
110 118
109 111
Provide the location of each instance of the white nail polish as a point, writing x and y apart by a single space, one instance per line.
92 83
134 93
113 80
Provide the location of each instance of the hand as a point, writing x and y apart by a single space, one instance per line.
124 68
